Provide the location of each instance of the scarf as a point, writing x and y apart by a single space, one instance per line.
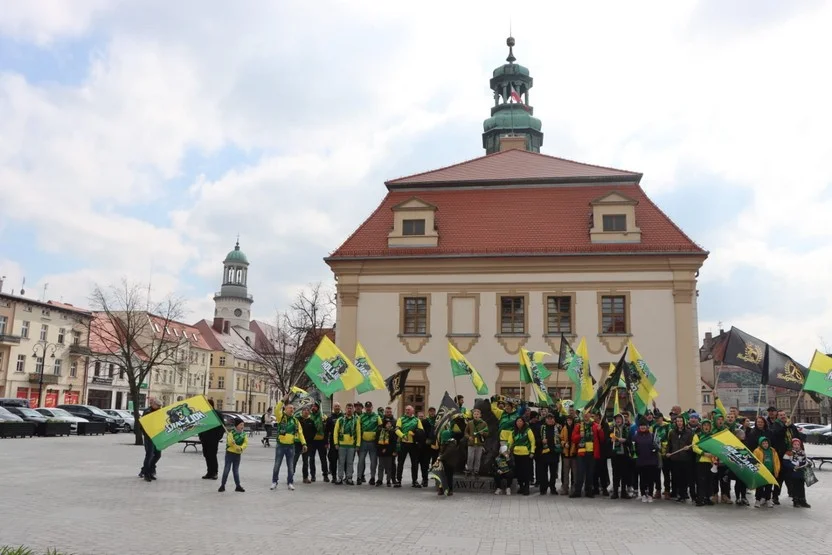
554 445
409 424
369 422
768 459
319 422
502 464
521 438
287 425
239 437
347 427
586 433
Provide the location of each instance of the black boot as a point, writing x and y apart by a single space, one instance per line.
614 494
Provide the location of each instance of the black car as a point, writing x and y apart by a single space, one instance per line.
94 414
13 402
27 414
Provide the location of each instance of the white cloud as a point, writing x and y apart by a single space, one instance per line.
329 98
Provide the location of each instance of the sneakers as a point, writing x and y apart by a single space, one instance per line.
449 493
497 491
649 499
770 504
222 489
240 489
326 478
291 487
273 486
644 498
508 491
757 504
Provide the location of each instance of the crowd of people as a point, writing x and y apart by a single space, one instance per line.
560 451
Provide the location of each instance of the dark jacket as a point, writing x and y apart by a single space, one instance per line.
752 437
329 428
647 451
386 449
214 435
677 440
148 442
606 442
535 428
777 436
307 425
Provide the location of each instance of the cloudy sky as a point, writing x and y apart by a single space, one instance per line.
139 137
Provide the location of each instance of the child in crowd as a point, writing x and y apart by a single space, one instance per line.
386 451
236 442
503 471
794 463
766 453
449 457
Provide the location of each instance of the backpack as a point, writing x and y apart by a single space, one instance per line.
263 418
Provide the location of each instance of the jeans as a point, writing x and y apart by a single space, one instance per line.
232 462
474 458
151 457
586 474
284 452
332 459
427 457
346 456
317 447
367 448
797 488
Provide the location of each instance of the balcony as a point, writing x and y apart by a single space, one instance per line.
79 350
6 339
48 379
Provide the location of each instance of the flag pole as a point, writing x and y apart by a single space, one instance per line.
797 402
759 398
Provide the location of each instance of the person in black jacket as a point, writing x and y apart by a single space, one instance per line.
602 470
426 442
329 440
210 445
679 442
151 454
307 425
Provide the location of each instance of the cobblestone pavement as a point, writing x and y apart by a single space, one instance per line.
82 495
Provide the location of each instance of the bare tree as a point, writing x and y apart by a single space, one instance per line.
130 331
289 344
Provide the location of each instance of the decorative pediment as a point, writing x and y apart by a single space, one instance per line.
414 203
414 224
614 219
614 198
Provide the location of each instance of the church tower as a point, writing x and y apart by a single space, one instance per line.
232 305
511 124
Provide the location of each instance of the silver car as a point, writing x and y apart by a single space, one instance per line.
126 416
6 416
61 414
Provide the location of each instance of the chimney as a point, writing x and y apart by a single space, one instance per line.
708 336
508 142
217 324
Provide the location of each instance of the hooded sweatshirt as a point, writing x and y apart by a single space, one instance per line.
768 457
699 436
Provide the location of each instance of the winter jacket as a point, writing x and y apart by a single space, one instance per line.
475 432
503 465
505 421
320 421
214 435
552 436
407 428
522 442
793 464
329 427
677 440
752 437
307 426
570 449
288 427
646 449
236 445
606 443
386 441
348 431
777 435
370 423
774 465
703 456
588 448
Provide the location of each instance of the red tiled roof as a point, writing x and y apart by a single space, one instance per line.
178 330
516 166
507 221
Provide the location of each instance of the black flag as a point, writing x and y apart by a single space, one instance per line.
607 386
447 410
745 351
783 371
396 383
565 354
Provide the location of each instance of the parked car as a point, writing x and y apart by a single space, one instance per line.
93 414
805 428
126 417
13 402
6 416
27 414
61 414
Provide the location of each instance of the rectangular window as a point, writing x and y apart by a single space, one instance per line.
21 363
416 315
61 335
514 392
413 227
221 382
73 369
414 395
219 404
512 315
613 314
615 222
56 369
181 378
3 322
97 371
44 331
76 338
112 369
559 392
24 329
203 358
121 372
558 315
39 365
222 360
706 399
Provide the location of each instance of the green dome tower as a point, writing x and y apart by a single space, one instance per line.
511 115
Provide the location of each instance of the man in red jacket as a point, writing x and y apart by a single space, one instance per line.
587 435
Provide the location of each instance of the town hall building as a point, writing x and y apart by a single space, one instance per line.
511 250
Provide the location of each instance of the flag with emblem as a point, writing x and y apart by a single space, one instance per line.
565 353
178 421
396 383
781 370
533 371
819 379
743 350
732 453
638 382
612 382
461 367
330 369
448 409
372 377
578 372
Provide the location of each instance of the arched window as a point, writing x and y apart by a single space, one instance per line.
239 275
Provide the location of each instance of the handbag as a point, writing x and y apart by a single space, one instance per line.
809 476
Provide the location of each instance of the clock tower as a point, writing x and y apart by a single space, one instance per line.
232 304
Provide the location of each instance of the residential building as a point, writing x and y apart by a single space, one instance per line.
237 380
42 343
511 250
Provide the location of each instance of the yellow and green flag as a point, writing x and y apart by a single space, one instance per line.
533 371
330 369
461 367
372 377
178 421
638 380
819 378
578 372
732 453
299 391
719 407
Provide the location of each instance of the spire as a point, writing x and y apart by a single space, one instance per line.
510 42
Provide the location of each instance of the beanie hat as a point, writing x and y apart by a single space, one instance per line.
238 421
694 415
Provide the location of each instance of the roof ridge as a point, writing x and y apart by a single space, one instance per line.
669 219
447 167
581 163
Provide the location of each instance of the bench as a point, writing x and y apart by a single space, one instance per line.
195 443
818 462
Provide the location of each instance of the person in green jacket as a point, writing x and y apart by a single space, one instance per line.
506 414
407 429
661 430
236 442
288 430
370 424
347 437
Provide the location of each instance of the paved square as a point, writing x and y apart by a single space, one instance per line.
82 495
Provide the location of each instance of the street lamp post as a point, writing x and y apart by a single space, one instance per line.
44 348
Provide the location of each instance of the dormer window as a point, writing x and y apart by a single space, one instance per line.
614 219
615 222
413 227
